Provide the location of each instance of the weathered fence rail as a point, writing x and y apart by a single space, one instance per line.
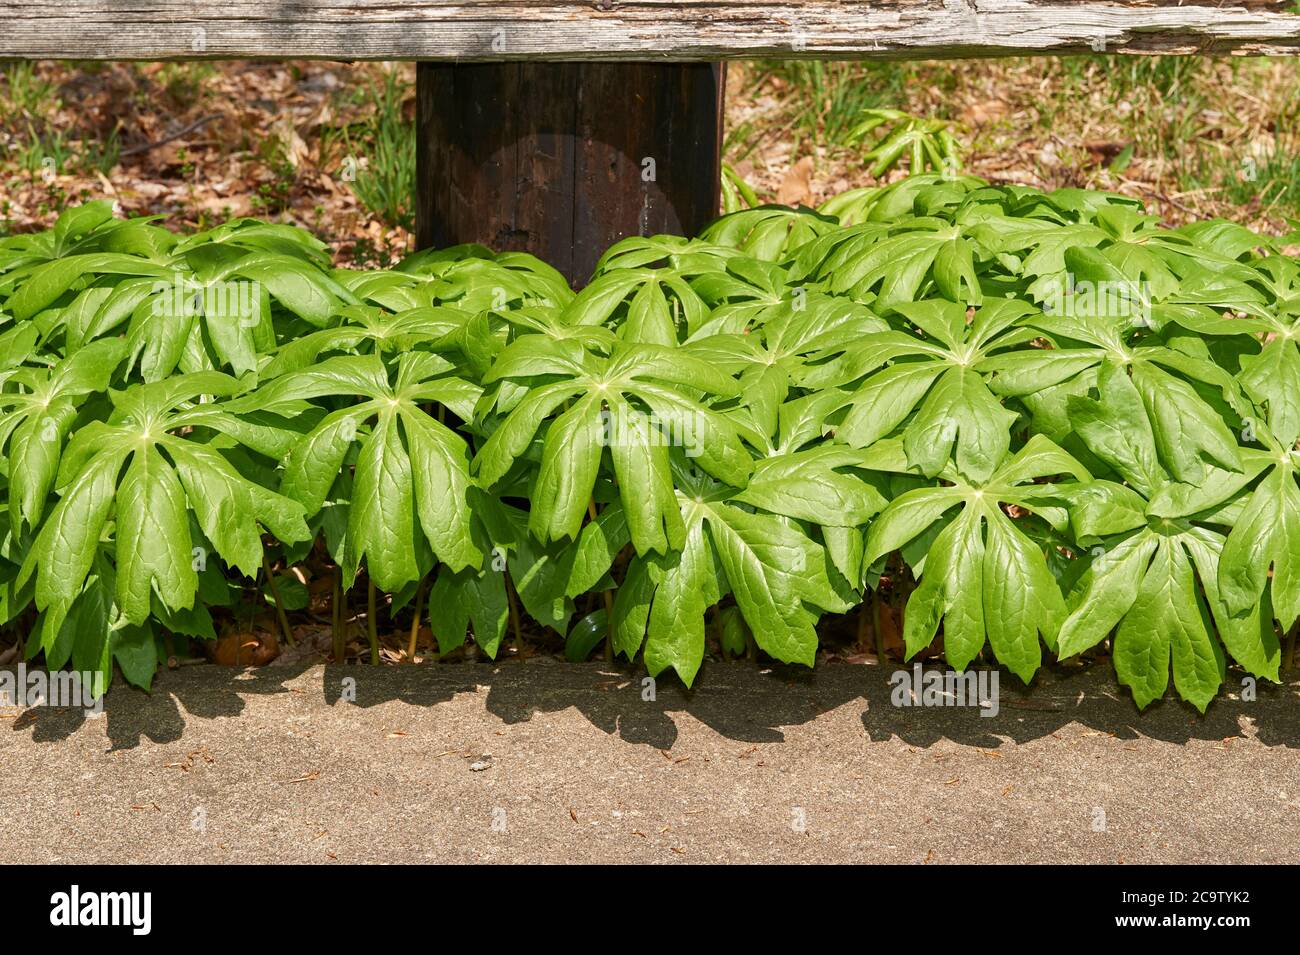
494 30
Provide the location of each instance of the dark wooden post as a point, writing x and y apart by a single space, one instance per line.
564 159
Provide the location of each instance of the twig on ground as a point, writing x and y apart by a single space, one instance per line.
145 147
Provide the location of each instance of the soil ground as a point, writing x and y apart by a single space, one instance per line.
540 761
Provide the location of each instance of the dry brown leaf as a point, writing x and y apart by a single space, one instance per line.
796 187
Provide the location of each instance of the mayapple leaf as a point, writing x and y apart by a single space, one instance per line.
412 472
639 402
983 578
145 470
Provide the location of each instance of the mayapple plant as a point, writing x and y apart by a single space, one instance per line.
1046 423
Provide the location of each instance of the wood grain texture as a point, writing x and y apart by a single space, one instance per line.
564 159
701 30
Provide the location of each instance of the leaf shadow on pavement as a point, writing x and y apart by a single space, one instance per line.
1089 697
737 700
208 692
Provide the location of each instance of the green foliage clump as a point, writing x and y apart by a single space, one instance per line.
1045 419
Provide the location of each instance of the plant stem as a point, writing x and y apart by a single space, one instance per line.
340 643
877 630
609 623
516 626
609 599
1288 652
346 619
415 623
372 625
279 607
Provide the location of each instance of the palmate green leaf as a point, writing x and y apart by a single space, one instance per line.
982 577
240 236
144 470
596 549
544 321
366 329
741 293
934 380
1117 429
467 285
1144 572
1106 592
1129 267
84 633
926 142
1272 379
1152 422
1187 439
1270 368
469 599
775 572
47 282
1145 587
472 279
896 265
687 587
1248 636
814 486
299 287
1167 616
191 325
477 600
824 255
1188 433
772 355
152 537
94 636
1266 536
767 233
1040 243
82 229
951 591
661 306
540 574
1015 614
382 517
637 401
412 472
682 255
37 419
79 229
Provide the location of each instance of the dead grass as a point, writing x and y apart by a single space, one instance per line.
1193 137
196 143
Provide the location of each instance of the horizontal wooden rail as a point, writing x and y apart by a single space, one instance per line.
464 30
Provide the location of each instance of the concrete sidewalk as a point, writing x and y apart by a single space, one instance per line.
541 761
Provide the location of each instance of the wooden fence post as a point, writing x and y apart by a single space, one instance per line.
564 159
